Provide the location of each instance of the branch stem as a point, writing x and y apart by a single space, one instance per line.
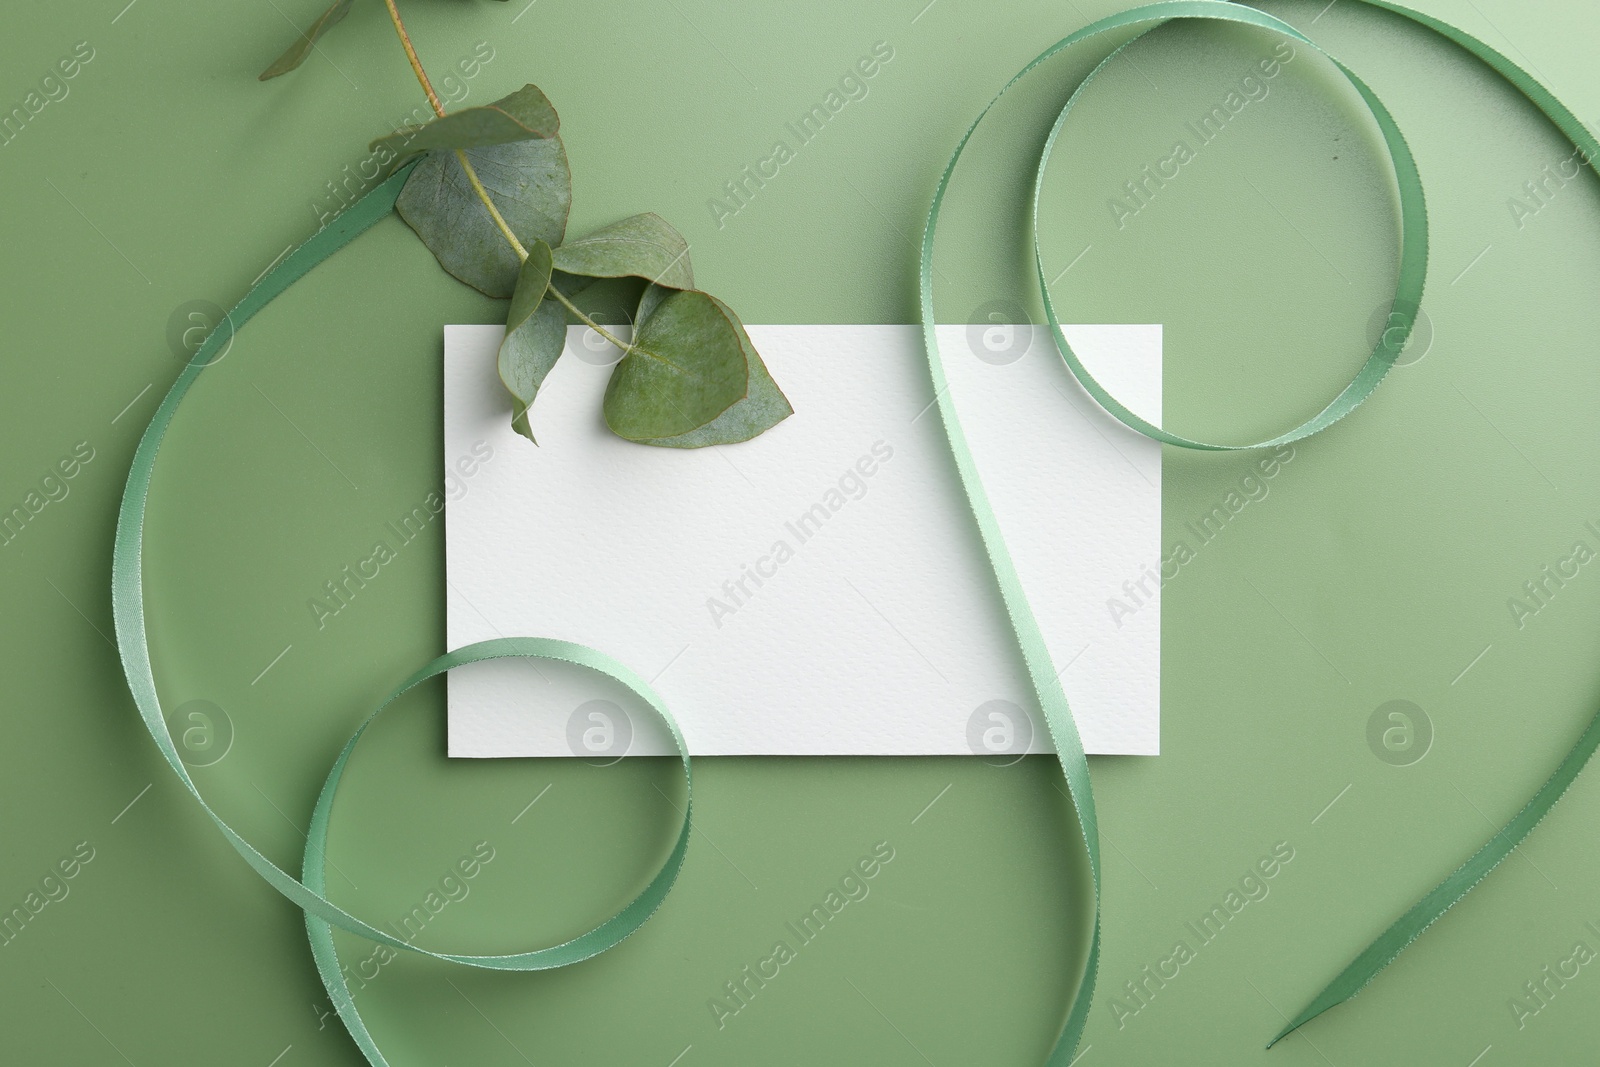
438 108
411 54
494 212
477 184
587 321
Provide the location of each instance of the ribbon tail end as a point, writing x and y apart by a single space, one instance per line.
1311 1011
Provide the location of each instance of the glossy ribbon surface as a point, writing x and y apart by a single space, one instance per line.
1408 296
322 915
127 604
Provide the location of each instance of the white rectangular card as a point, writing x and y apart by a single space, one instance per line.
820 590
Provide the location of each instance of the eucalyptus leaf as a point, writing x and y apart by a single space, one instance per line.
525 115
296 53
532 281
535 335
685 367
539 344
640 246
536 332
649 300
530 185
763 407
570 284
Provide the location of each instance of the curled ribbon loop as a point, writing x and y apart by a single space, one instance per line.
1407 301
322 915
127 605
1413 237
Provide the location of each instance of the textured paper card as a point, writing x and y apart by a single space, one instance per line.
820 589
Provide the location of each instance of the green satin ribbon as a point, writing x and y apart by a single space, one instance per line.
1407 300
322 915
127 605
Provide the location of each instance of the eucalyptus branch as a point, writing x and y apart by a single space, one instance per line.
477 184
438 109
494 212
699 380
411 54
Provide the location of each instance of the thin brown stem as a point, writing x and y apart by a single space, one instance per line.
477 184
466 164
494 212
411 54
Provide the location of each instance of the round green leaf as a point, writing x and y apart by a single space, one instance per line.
763 407
685 367
530 185
641 246
525 115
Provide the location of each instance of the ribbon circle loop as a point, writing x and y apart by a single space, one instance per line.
1413 233
322 915
1407 303
590 943
127 605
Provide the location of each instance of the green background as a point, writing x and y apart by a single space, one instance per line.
1378 568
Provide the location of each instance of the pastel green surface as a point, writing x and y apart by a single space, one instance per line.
1378 566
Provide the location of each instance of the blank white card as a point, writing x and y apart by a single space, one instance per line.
822 589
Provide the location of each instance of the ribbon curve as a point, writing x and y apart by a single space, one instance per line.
127 606
1407 300
322 915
